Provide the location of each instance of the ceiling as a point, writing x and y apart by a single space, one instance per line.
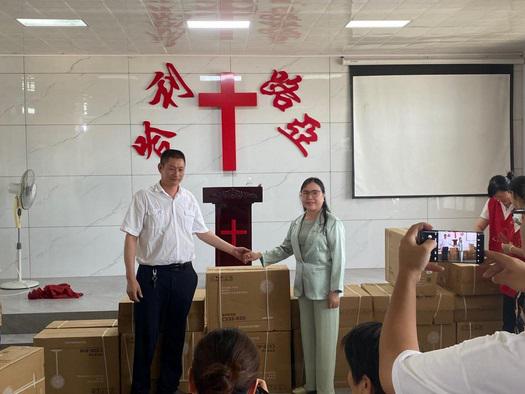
283 27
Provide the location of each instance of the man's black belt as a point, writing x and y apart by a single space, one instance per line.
170 267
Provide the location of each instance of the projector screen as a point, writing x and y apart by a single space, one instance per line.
430 130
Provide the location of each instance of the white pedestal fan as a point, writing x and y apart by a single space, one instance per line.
25 194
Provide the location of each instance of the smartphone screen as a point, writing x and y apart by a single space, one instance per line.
456 246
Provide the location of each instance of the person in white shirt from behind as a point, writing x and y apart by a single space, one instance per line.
490 364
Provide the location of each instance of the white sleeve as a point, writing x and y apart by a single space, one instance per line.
485 211
438 371
198 224
134 219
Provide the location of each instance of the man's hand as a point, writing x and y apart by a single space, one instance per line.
333 300
504 270
133 290
414 258
238 252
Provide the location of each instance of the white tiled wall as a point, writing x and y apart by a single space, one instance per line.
77 117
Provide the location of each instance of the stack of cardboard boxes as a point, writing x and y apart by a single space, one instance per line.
80 356
478 303
434 314
355 307
257 301
22 370
194 332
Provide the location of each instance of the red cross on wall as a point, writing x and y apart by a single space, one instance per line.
227 100
234 232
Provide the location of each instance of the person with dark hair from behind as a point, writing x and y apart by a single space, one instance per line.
361 346
226 361
497 216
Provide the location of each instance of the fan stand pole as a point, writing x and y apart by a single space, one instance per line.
19 284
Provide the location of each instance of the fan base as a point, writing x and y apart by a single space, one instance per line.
18 284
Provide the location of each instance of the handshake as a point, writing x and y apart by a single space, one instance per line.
245 255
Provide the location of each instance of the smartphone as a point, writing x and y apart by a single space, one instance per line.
518 211
455 246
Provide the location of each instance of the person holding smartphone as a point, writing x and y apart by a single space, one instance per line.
504 235
317 240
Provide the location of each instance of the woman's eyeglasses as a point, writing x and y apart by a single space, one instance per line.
313 193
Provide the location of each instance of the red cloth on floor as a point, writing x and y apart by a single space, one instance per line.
63 290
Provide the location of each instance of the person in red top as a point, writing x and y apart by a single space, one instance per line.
497 215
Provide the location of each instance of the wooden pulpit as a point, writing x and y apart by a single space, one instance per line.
233 217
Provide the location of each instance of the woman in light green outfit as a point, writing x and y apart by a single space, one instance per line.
317 240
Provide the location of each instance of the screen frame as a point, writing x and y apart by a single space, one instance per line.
429 69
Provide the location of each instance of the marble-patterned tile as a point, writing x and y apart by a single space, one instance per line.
7 202
79 149
12 99
258 64
9 260
12 150
11 64
184 64
455 207
77 251
340 147
187 110
201 145
348 208
313 92
340 103
281 201
194 183
81 201
365 241
258 145
76 64
77 99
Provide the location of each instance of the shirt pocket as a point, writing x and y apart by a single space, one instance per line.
189 218
156 220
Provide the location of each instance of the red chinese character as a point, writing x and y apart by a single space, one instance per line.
308 125
145 145
283 88
173 79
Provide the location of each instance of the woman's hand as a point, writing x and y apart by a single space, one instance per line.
251 256
507 248
333 300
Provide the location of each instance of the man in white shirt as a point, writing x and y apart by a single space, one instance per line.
490 364
159 227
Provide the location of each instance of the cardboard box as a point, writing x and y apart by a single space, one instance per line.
426 285
248 298
469 330
479 308
435 336
83 323
465 279
127 351
298 378
275 359
295 314
355 306
22 367
194 322
341 365
80 360
381 293
437 309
